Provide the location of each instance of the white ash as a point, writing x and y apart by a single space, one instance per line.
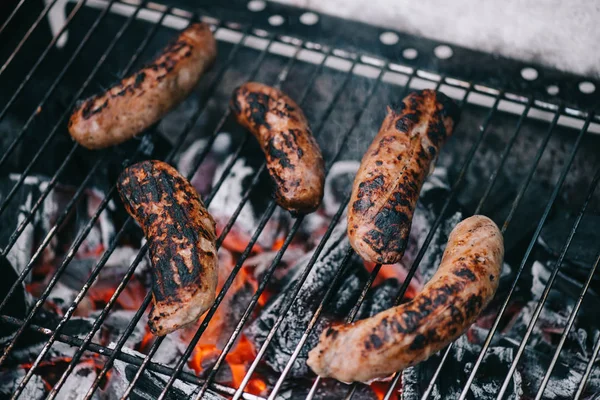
338 185
121 259
10 378
116 323
150 384
79 382
228 198
171 349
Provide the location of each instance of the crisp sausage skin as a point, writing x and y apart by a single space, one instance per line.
392 171
181 239
143 98
293 156
405 335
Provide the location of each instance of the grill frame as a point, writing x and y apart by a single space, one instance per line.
530 101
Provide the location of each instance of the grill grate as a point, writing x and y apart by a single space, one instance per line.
380 71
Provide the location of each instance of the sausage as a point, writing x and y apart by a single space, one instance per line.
405 335
143 98
181 239
293 156
392 171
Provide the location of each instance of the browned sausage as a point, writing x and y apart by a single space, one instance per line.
402 336
293 156
144 97
392 171
181 238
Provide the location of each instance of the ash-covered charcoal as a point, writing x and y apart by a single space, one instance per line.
328 389
228 198
295 322
451 381
150 384
10 378
202 180
79 382
20 207
381 298
18 303
260 263
115 325
563 382
170 350
338 185
433 195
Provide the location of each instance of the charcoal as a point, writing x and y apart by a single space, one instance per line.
309 297
150 384
115 325
452 378
433 195
328 389
79 382
170 350
338 184
10 378
228 198
18 303
380 298
261 262
202 178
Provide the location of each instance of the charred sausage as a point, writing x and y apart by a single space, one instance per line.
402 336
144 97
293 156
392 171
181 239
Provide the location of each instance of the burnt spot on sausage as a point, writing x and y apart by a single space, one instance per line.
419 342
331 333
279 155
371 187
466 273
362 204
258 104
376 341
473 305
89 110
139 79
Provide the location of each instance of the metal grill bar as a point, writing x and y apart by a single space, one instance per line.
548 287
67 112
514 206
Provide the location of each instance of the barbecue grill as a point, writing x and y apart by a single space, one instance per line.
525 153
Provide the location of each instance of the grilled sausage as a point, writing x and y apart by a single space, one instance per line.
144 97
293 156
402 336
181 238
392 171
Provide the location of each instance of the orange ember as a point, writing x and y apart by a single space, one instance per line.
381 388
395 271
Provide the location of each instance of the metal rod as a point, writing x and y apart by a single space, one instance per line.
514 206
547 209
544 297
51 135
